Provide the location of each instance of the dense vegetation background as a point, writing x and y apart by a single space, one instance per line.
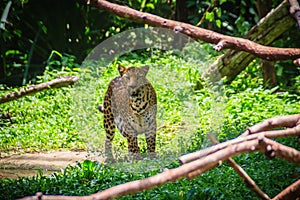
39 33
41 40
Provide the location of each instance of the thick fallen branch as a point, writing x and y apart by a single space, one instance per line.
222 41
251 143
56 83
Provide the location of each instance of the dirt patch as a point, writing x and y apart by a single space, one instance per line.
27 164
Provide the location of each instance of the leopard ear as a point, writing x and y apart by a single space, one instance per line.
145 69
121 69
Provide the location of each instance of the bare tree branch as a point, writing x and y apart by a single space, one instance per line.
291 192
56 83
295 10
222 41
242 140
274 122
295 131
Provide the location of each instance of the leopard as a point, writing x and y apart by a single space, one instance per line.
130 104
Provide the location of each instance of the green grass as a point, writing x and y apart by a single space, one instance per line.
41 122
68 118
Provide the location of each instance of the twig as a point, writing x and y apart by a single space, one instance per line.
204 15
4 15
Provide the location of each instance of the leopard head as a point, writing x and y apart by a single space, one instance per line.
133 78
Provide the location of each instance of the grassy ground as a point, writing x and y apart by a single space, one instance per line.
68 118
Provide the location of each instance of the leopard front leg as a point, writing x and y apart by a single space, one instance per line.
109 126
133 147
108 146
151 140
150 132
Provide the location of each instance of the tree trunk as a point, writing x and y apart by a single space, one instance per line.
181 11
268 67
269 73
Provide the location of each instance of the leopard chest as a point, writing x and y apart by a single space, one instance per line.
136 112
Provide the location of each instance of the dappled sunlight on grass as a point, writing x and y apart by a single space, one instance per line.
174 79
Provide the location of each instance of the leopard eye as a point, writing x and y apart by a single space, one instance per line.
126 77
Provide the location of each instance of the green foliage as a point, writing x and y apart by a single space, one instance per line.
230 17
254 105
31 31
54 120
27 43
49 120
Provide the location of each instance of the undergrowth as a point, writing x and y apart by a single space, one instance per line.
67 118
